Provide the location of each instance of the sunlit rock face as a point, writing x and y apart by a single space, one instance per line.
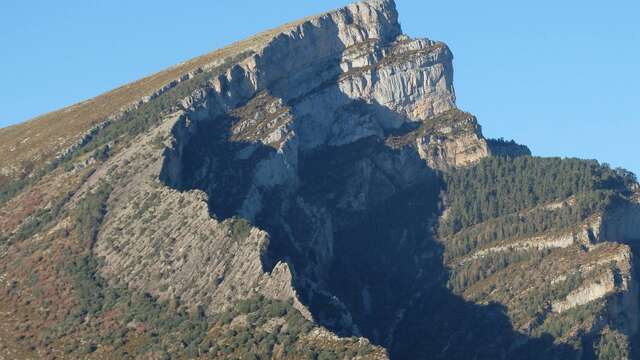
330 138
325 164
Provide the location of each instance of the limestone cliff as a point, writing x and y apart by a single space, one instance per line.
315 190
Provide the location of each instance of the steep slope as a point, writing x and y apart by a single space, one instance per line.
27 146
311 192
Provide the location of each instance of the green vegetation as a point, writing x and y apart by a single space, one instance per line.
151 113
508 148
502 142
144 117
533 222
270 327
12 187
240 228
42 219
102 153
536 301
466 275
91 289
168 328
167 323
131 124
499 186
502 200
562 325
612 345
90 213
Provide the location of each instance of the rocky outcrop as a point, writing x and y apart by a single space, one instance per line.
361 115
453 145
587 293
238 142
280 164
353 76
274 130
316 168
551 241
616 283
165 241
449 140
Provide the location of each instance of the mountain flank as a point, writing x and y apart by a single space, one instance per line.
312 192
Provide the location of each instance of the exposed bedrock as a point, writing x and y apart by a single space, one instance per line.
333 153
333 156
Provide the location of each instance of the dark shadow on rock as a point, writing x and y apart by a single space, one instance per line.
211 162
388 268
620 223
385 270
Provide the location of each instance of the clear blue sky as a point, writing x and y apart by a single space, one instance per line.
560 76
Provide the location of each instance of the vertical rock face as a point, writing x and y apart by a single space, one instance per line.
353 77
326 164
449 140
333 154
316 101
276 131
454 144
355 56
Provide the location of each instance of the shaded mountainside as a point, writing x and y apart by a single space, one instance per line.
313 192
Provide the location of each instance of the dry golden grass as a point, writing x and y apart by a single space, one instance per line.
28 145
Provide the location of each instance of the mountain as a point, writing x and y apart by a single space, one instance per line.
312 192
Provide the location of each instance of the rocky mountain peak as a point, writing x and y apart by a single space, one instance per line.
312 191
